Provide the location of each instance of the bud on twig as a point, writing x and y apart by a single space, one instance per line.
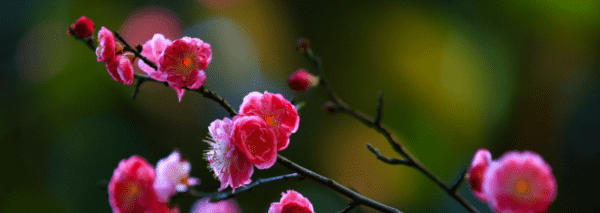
330 108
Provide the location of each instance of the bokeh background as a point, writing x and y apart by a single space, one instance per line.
456 76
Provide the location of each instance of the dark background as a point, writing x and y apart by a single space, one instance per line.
456 76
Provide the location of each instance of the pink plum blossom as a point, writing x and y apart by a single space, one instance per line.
224 206
256 139
173 175
519 182
230 165
302 80
120 69
83 27
106 47
130 188
292 201
184 61
276 111
480 164
152 50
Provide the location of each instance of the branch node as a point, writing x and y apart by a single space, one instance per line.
136 88
353 204
391 161
459 180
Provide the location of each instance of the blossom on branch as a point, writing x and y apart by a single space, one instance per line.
83 27
276 111
480 164
152 50
120 69
172 176
224 206
130 188
517 182
302 80
183 62
292 201
230 165
106 45
256 139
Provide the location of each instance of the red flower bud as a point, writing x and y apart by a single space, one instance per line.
83 27
302 80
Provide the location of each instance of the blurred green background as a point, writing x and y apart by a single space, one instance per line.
456 76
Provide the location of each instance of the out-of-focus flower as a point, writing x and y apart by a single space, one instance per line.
519 182
276 111
83 27
184 61
230 165
106 45
224 206
152 49
173 175
256 139
302 80
292 201
130 188
480 164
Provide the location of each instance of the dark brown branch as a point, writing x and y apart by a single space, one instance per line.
392 161
379 127
348 208
459 180
335 186
217 196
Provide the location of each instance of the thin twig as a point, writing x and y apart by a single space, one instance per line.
249 187
335 186
392 161
454 186
381 128
348 208
202 90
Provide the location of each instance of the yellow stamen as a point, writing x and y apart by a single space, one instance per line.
522 186
186 62
270 120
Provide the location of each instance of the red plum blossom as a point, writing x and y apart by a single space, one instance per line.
229 164
292 201
224 206
256 139
279 114
130 188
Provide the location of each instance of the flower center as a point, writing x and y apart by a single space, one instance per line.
186 62
522 186
132 193
270 119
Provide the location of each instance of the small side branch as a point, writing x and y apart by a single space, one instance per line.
459 180
335 186
348 208
227 195
392 161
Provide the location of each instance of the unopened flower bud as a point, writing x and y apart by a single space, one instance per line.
302 80
83 27
330 108
302 44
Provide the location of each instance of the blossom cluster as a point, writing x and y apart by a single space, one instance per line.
251 139
180 63
517 182
137 187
